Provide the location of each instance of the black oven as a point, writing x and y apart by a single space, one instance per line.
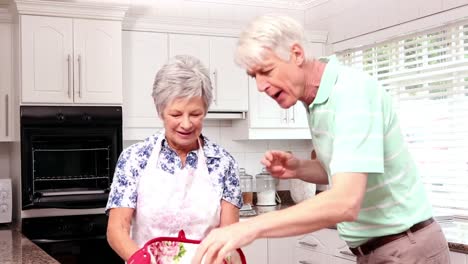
68 155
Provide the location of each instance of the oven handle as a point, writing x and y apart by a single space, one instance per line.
48 241
84 201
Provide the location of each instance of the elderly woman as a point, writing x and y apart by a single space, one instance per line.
176 179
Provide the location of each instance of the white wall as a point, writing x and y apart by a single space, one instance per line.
352 23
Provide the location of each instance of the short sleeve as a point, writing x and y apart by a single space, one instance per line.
123 191
358 128
232 192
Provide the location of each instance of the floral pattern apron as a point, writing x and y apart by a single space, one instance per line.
189 200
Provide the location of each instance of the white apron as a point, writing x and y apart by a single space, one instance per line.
166 203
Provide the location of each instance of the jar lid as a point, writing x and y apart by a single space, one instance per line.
264 174
243 174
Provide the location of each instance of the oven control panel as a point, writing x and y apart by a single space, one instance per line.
5 201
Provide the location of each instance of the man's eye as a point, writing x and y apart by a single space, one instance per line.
265 72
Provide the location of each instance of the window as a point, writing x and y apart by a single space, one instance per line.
427 75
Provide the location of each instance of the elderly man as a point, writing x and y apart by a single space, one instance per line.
376 199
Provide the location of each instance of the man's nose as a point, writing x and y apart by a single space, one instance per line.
262 84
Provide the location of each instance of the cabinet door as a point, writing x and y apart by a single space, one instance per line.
143 55
264 112
257 252
337 260
229 81
297 116
5 82
303 256
98 61
281 250
46 59
195 45
458 258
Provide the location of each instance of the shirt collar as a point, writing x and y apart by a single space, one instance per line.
329 76
209 149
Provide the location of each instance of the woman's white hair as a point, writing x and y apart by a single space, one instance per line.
183 76
274 32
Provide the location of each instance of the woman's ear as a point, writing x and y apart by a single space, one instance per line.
297 54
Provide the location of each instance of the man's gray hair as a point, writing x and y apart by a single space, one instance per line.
183 76
275 32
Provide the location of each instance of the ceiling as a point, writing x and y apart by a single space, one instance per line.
294 4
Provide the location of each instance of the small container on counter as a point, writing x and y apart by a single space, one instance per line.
247 188
266 188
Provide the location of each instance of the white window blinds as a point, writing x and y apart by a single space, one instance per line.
427 75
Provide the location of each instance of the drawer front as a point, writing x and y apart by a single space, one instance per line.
304 256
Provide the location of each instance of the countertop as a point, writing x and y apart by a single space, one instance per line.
15 248
456 230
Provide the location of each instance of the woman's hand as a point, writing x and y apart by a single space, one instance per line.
281 164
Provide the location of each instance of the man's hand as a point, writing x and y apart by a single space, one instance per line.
281 164
221 241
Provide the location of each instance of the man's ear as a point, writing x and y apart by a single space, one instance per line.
297 54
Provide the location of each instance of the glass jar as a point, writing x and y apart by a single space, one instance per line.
266 188
246 185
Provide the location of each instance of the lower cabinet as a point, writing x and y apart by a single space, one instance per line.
257 252
304 256
320 247
458 258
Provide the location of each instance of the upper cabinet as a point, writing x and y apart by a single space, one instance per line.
6 98
229 81
70 60
143 55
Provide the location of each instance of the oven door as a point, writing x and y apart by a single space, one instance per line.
68 168
72 239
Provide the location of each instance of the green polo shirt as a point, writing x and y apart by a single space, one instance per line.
354 128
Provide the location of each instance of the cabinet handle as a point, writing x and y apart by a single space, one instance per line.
7 115
293 115
285 114
215 86
69 61
347 253
79 76
308 244
304 262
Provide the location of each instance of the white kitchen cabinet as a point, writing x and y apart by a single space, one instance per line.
229 81
69 60
144 53
458 258
281 250
6 109
337 260
257 252
303 256
323 247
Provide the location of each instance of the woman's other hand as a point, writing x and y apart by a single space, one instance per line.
281 164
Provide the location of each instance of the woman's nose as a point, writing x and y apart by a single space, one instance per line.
186 123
